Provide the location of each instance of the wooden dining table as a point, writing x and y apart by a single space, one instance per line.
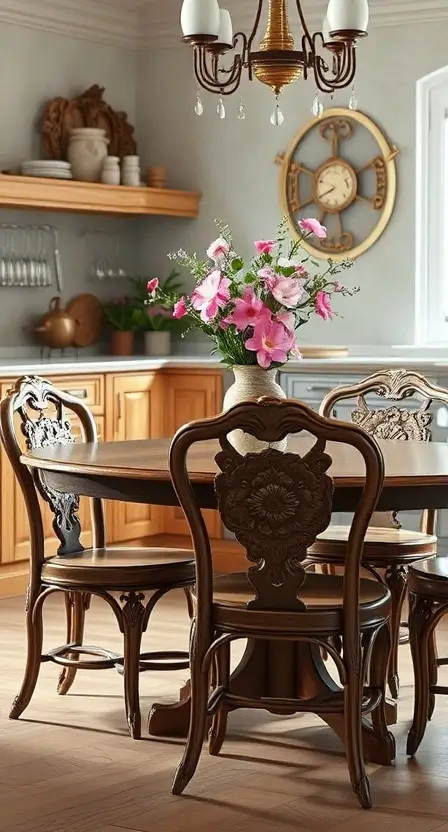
416 477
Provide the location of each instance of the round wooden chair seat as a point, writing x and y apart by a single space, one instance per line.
120 568
429 577
322 594
381 545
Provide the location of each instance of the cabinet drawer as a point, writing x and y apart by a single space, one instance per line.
88 389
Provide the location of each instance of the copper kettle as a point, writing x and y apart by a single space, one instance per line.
57 328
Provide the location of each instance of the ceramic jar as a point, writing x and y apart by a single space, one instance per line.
122 342
87 150
158 342
251 382
110 174
130 171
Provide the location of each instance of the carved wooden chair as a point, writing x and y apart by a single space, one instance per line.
276 503
42 412
388 546
428 603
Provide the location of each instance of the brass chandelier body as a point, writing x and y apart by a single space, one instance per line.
276 63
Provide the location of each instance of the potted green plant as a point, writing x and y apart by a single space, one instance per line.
120 315
156 320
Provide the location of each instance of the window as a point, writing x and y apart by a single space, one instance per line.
431 302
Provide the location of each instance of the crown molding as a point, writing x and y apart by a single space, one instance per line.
160 28
143 24
101 21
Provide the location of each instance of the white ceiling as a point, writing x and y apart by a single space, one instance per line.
141 23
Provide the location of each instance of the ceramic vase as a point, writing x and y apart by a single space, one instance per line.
122 342
251 382
158 343
86 153
110 174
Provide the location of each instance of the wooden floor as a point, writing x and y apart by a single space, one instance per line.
69 765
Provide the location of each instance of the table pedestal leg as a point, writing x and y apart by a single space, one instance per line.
280 669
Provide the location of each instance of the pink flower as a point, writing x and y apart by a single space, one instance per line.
180 308
337 287
212 294
313 226
272 342
322 306
288 291
287 319
220 248
249 310
270 277
152 285
264 246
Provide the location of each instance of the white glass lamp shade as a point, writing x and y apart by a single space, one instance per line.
200 17
225 34
345 15
326 30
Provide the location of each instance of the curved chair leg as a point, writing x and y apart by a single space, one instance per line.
198 718
353 739
218 728
133 624
34 634
433 670
76 605
396 581
190 606
419 633
377 679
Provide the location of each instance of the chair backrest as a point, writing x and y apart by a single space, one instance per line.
41 412
276 503
391 422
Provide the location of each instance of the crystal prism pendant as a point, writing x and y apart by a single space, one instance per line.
199 107
241 111
220 109
277 117
353 102
317 108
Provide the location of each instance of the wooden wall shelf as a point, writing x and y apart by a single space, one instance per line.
92 198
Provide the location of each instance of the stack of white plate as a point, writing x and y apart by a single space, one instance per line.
50 169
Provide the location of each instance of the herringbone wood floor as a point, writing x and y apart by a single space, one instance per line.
69 765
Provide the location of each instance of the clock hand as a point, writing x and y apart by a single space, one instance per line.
327 192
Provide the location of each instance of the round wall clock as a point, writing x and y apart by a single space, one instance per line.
340 169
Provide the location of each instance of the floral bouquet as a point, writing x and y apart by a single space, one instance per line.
252 311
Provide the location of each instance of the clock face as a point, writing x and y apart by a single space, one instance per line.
336 185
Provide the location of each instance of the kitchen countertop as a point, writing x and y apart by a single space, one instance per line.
14 367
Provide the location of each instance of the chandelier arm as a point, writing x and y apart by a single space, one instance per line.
210 84
255 29
306 32
338 82
210 78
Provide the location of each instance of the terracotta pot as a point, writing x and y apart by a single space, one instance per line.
156 177
251 382
122 342
158 342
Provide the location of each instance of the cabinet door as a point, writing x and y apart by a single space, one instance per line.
133 408
15 534
191 396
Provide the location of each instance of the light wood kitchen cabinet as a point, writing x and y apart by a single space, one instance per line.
133 411
189 396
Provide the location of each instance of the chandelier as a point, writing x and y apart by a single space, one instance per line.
328 56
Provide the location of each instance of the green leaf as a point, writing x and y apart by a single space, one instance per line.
237 264
250 278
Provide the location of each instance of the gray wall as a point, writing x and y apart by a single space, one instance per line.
232 163
38 66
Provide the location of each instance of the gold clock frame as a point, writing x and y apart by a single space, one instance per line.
388 152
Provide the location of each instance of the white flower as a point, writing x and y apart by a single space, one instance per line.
219 248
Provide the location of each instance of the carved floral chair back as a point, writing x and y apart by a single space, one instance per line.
394 421
42 413
275 502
